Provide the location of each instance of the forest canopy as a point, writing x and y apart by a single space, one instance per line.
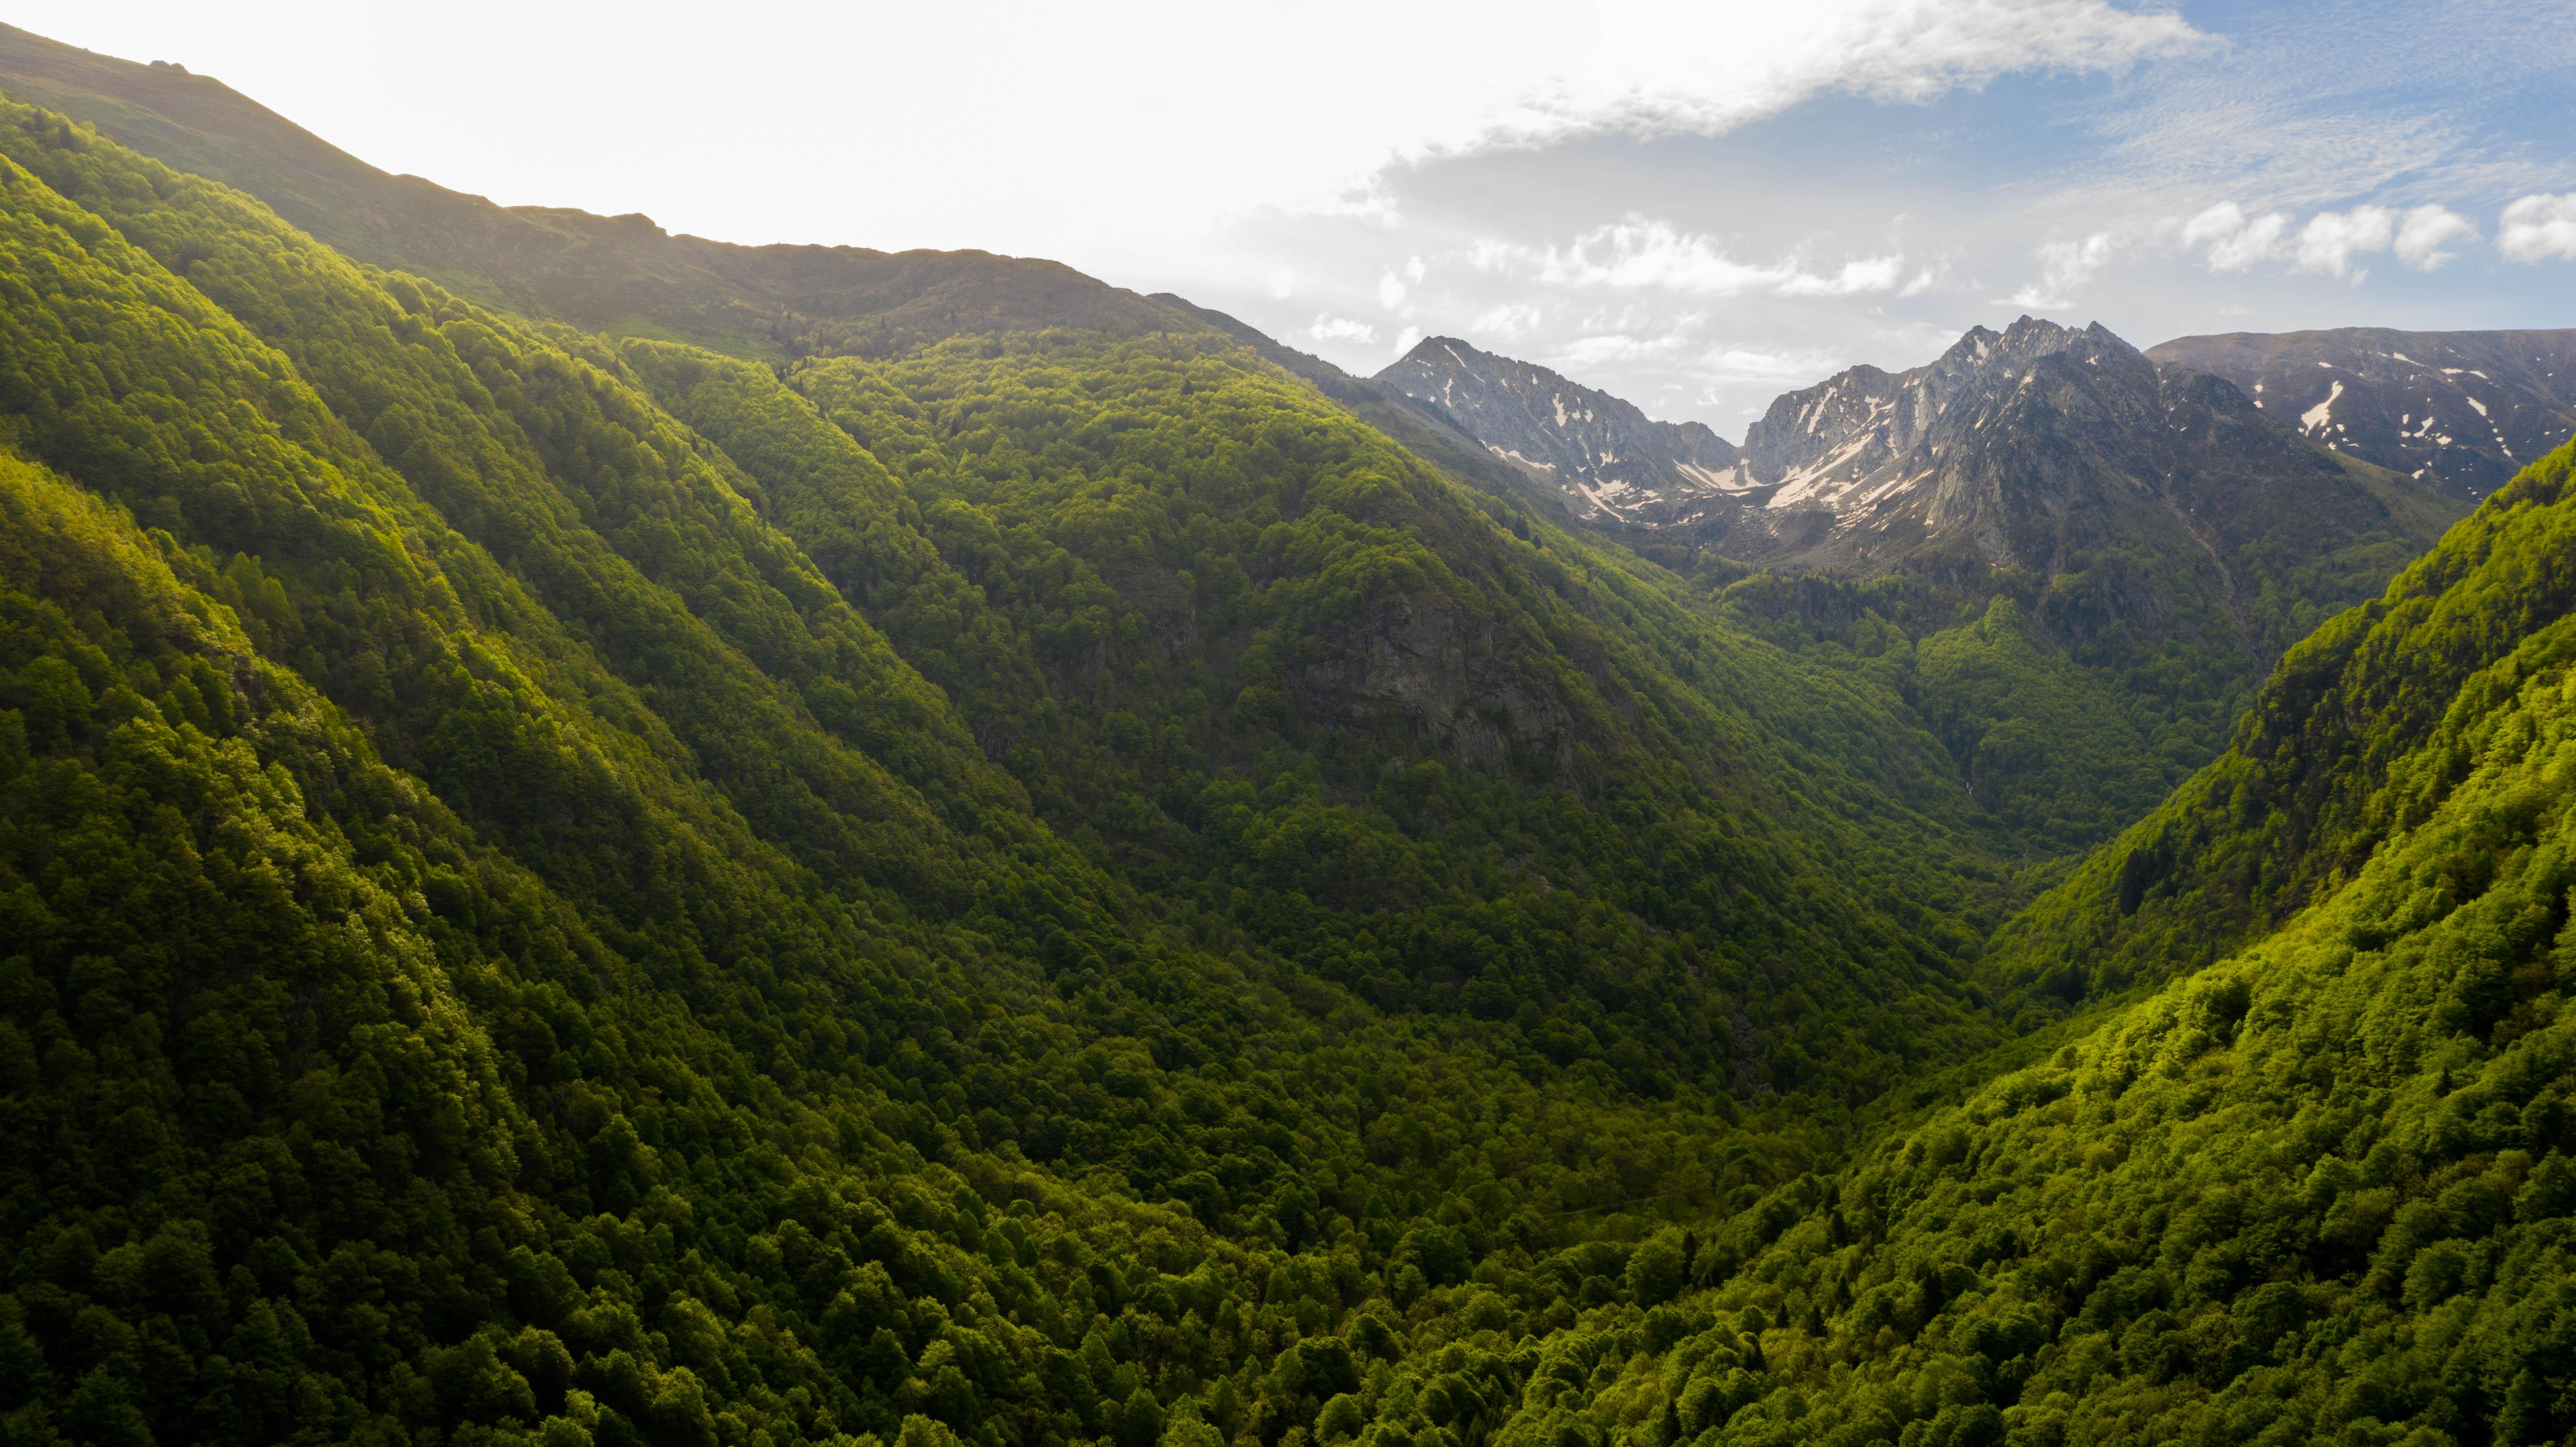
1055 886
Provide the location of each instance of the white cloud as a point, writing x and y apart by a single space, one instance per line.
1584 352
1283 283
1509 320
2259 241
2420 237
1407 340
1639 254
2235 243
1422 85
2329 242
1414 270
1701 69
1752 364
1341 329
1876 273
2063 267
2215 224
2538 227
2331 239
1390 291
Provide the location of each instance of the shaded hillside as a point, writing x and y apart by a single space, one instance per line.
1354 705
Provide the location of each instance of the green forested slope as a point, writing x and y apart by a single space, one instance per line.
603 511
1258 657
503 941
349 1126
2302 799
1056 887
2319 1191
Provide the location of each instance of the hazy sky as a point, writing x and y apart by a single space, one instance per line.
1696 206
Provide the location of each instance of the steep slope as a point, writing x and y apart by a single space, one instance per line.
2302 800
597 518
2461 411
2324 1190
601 273
1419 430
2159 541
350 1124
1252 654
2033 446
1607 460
503 942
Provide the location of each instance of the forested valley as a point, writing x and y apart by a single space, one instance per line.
1043 880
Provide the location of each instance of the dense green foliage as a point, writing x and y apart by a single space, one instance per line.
2074 697
2320 1191
1252 655
2299 804
609 991
1057 888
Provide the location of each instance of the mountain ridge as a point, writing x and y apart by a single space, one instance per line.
598 273
2463 411
1604 457
2089 550
1868 467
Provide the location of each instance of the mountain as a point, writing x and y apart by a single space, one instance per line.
2043 446
2096 558
2315 1187
616 274
1607 460
2026 448
1110 885
2461 411
2179 643
1057 884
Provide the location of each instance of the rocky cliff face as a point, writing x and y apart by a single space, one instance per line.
2459 411
1605 458
1997 444
2027 448
2034 447
2152 503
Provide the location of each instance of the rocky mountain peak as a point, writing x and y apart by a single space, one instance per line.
2030 446
1604 456
1861 441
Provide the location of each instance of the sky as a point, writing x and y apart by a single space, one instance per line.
1694 206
